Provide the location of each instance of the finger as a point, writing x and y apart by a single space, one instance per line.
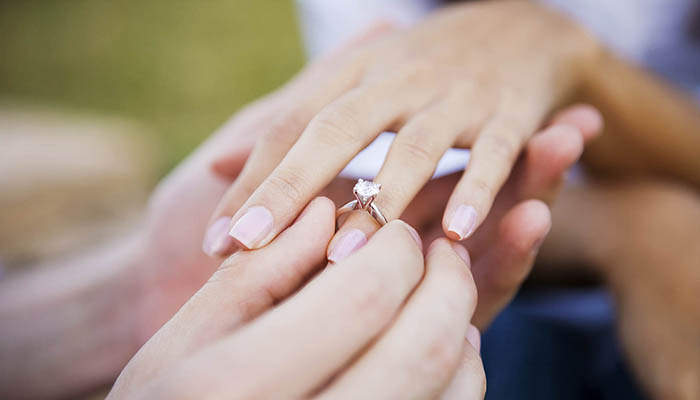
547 158
584 117
330 141
324 326
280 133
419 354
319 84
243 287
501 270
275 106
492 159
537 175
548 155
470 380
410 163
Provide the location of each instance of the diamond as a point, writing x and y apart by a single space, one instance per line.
366 191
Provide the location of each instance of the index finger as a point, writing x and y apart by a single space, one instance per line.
330 141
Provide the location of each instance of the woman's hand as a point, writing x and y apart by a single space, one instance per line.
383 323
504 249
482 76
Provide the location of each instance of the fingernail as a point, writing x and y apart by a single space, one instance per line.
473 337
347 244
252 227
216 241
462 253
414 234
463 221
536 246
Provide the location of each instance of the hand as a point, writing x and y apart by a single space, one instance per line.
171 265
180 207
467 76
383 323
504 249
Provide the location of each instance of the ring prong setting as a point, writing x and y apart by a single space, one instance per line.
365 192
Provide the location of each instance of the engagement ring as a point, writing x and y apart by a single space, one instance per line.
365 192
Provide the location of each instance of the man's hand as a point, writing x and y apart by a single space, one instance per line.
504 249
383 323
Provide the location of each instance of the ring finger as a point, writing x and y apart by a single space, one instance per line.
409 165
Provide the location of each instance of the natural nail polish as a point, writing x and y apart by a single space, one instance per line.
217 241
462 253
536 246
463 221
252 227
415 235
474 337
347 244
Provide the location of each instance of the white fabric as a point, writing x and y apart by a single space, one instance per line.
368 162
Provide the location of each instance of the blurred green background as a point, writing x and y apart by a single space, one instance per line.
180 67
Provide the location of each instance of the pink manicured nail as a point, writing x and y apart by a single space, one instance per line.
252 227
462 253
216 241
348 243
463 221
415 235
473 337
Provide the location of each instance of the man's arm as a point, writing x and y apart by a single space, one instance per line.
650 126
68 327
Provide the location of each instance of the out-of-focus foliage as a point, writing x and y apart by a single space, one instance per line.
180 66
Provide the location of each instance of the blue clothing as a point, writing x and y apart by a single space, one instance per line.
557 344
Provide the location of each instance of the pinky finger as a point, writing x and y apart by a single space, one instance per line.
492 159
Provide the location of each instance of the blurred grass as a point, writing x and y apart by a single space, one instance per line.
179 66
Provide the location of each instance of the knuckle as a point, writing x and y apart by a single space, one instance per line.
481 188
442 356
285 129
417 71
504 146
371 302
417 147
289 184
336 125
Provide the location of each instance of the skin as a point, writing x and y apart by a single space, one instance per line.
519 220
652 133
348 326
540 172
176 267
504 250
119 295
639 239
381 85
